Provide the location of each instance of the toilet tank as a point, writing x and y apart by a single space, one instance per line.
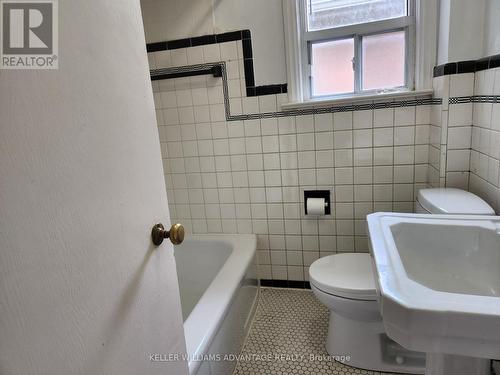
451 201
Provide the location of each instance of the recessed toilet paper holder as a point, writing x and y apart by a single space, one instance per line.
318 194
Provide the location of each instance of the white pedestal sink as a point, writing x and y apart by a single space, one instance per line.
438 277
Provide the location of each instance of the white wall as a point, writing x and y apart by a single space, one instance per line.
461 30
468 30
443 31
173 19
492 28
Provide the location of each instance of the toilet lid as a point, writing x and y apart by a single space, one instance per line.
345 275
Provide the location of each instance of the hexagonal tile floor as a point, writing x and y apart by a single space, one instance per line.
287 337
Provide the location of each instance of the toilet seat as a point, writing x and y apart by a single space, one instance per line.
345 275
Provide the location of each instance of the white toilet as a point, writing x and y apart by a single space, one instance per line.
345 284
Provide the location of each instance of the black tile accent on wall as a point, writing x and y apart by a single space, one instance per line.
154 47
247 48
251 91
445 69
285 284
179 43
467 66
482 64
229 37
203 40
249 78
246 38
494 61
270 89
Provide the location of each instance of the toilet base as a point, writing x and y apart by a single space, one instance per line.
367 346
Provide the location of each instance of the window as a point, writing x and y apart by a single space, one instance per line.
356 46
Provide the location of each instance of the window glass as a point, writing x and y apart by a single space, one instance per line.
327 14
383 63
332 68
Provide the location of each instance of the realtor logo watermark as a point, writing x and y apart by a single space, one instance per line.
29 37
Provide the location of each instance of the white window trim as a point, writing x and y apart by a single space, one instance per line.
424 54
357 32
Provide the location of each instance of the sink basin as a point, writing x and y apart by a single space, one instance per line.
450 258
438 277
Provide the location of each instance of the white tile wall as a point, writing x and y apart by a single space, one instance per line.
485 140
450 134
465 138
249 176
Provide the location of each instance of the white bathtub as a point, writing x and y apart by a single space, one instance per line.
219 288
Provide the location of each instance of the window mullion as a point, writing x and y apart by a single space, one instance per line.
357 64
308 69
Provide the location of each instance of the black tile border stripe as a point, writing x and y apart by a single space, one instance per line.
155 47
291 112
246 38
285 284
198 41
474 99
467 66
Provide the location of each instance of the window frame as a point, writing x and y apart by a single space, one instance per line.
357 32
426 37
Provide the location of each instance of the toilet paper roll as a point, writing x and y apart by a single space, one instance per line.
315 206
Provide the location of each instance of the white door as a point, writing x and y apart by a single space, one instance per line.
82 288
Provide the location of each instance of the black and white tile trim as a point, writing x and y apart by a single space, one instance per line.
186 71
474 99
246 40
292 112
199 41
337 108
468 66
294 284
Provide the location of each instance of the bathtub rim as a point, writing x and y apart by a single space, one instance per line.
212 303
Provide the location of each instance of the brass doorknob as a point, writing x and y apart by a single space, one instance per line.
176 234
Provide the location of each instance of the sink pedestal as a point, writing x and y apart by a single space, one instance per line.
449 364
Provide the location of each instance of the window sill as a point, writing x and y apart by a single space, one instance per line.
318 103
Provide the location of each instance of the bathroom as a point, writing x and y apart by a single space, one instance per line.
250 187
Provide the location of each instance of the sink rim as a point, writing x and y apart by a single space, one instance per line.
393 281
